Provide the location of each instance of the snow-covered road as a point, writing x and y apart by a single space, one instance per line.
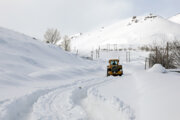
134 96
79 100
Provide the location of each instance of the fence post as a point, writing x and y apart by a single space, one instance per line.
167 61
145 63
150 61
156 55
92 55
99 53
126 56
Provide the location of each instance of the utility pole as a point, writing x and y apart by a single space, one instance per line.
115 47
97 53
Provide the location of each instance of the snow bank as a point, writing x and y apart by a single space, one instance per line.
158 68
99 107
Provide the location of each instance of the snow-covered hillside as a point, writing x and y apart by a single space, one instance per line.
23 56
130 32
26 61
175 18
40 81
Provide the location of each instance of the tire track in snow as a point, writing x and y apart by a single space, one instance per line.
66 102
61 104
21 108
18 109
72 104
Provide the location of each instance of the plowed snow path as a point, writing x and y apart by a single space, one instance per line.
63 103
21 108
68 102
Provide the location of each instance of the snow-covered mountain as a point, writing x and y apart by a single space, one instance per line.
133 31
175 18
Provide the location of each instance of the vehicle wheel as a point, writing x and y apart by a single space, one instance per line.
107 73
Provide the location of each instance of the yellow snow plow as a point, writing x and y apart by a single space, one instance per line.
114 68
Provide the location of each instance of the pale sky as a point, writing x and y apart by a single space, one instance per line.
33 17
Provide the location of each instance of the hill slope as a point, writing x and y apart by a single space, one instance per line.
175 19
133 31
25 62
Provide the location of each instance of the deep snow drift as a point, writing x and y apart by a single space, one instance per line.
131 32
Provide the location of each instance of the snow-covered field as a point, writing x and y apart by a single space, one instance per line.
39 81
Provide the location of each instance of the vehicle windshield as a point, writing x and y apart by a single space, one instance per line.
114 62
